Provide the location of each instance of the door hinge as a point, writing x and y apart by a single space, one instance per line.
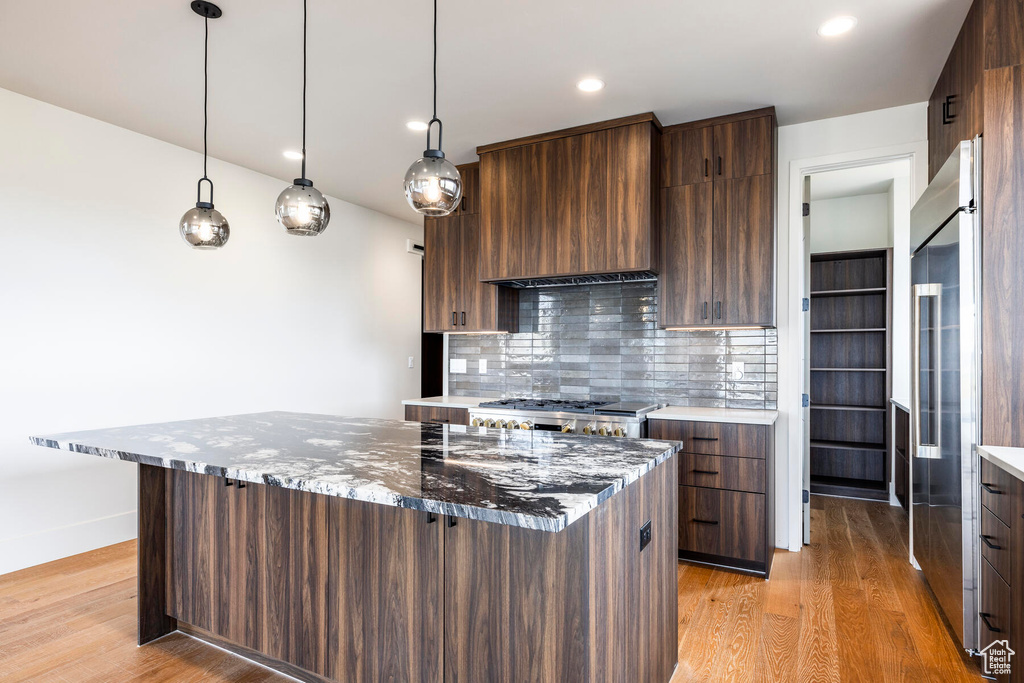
805 400
805 304
807 496
807 209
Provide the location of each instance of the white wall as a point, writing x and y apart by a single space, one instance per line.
867 135
108 318
850 223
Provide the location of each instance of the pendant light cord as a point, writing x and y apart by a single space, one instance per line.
304 31
435 59
206 85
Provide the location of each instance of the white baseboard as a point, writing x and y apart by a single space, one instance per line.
52 544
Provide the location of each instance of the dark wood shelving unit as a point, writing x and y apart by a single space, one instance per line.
851 360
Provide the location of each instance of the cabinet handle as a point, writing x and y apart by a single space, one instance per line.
450 521
431 518
719 165
988 624
705 521
705 472
705 310
241 484
463 318
947 110
705 167
991 489
705 438
718 310
989 543
455 318
228 482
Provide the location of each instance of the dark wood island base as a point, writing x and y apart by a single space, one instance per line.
325 588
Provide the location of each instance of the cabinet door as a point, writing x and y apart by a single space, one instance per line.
501 214
442 269
240 548
685 295
743 148
686 156
744 251
477 300
470 189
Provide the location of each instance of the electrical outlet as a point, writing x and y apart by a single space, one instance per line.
645 535
457 366
736 370
412 361
483 366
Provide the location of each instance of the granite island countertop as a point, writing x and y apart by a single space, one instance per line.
536 480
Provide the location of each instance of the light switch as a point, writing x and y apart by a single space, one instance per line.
483 366
457 366
412 362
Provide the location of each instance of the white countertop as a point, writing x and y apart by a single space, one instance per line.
901 403
1009 459
735 415
448 401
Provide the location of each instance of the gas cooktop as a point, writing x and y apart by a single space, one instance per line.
570 406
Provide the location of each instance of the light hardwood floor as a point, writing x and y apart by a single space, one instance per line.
847 608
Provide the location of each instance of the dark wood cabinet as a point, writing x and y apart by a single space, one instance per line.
439 414
726 492
1001 546
573 202
454 298
901 456
718 230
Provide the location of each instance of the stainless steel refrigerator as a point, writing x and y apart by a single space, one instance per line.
945 234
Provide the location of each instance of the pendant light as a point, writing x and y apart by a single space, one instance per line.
204 227
301 208
433 186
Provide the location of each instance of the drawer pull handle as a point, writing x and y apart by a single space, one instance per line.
988 624
714 438
989 543
705 521
705 472
991 489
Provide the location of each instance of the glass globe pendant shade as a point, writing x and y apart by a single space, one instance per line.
433 186
302 209
204 227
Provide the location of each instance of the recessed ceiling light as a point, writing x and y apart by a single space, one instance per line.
292 154
837 26
416 125
590 84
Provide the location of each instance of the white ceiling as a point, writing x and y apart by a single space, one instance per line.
507 68
852 182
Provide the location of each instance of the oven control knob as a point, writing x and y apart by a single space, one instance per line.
503 424
491 423
619 431
590 428
603 431
512 424
526 424
567 428
476 422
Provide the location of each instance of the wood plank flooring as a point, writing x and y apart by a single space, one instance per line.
847 608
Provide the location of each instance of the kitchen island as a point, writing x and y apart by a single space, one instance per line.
351 549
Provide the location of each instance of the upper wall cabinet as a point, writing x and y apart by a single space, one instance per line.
454 299
718 222
573 202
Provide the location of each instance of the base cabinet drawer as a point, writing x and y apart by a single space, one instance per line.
997 544
721 472
438 414
994 615
998 489
714 438
723 525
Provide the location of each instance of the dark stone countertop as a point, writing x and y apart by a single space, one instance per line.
536 480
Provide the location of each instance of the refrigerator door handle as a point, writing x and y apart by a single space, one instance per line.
930 450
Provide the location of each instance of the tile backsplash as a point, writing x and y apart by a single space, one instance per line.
603 342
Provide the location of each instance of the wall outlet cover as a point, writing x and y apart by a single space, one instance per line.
736 370
457 366
483 366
